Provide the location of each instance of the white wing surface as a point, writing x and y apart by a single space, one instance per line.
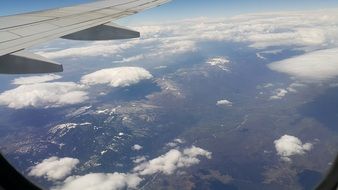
91 21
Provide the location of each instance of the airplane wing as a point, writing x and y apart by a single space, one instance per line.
91 21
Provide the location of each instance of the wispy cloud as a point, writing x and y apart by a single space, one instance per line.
35 79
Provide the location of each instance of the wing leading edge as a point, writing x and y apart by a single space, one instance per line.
91 21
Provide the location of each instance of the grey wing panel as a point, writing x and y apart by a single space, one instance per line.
23 62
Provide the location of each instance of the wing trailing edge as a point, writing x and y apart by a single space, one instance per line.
109 31
23 62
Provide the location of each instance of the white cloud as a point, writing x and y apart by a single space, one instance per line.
288 146
139 159
316 66
180 141
131 59
268 85
278 94
117 77
54 168
100 181
224 103
171 144
218 61
310 29
175 143
221 62
164 48
121 134
171 161
43 95
137 147
260 56
175 46
35 79
293 87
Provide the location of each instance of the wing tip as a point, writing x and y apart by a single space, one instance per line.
27 63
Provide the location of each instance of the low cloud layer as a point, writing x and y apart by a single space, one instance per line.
314 32
117 77
311 29
54 168
166 164
44 95
316 66
100 181
90 49
288 146
35 79
36 92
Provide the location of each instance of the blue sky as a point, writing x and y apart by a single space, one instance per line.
180 9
